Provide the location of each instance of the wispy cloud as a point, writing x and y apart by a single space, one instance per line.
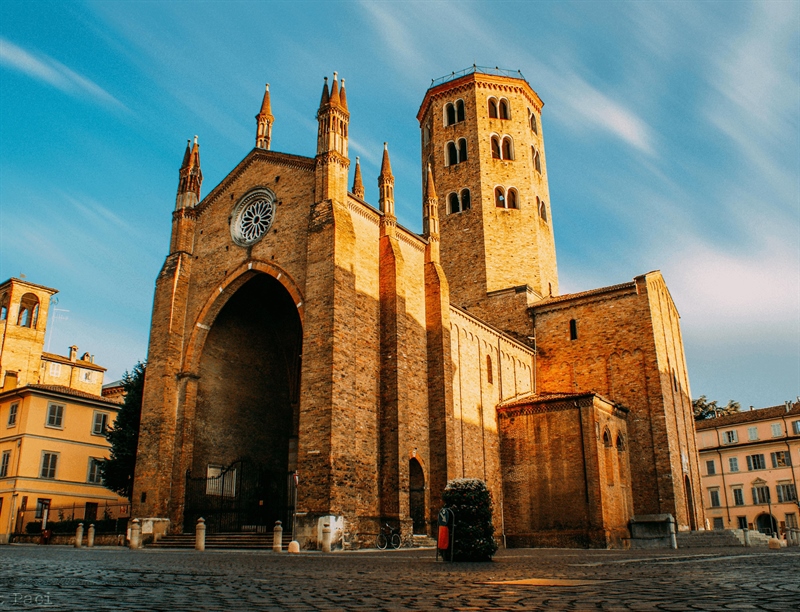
47 70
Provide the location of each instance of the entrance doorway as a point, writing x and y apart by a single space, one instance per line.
246 418
766 524
687 491
416 497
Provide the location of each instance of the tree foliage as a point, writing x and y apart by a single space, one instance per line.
703 409
124 435
473 533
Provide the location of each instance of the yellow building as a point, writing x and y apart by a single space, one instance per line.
52 421
750 466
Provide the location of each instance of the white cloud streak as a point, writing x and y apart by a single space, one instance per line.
51 72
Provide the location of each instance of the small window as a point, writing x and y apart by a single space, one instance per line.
496 147
87 376
452 154
756 462
786 492
512 199
489 373
4 307
761 495
450 114
492 108
95 474
12 414
781 459
460 110
465 199
741 521
542 209
55 416
499 197
28 311
537 161
99 423
606 438
710 467
777 430
534 125
573 329
733 463
796 427
55 369
462 150
508 148
41 506
730 437
620 443
453 202
718 522
791 520
49 462
752 433
503 110
738 497
5 460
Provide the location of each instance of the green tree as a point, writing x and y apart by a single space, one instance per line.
124 435
471 503
703 409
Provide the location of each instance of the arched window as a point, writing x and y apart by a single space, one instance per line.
606 438
453 202
426 135
573 329
452 154
489 373
537 161
28 311
460 110
620 443
512 200
503 110
508 148
496 147
450 114
465 199
534 125
499 197
492 108
542 209
462 150
4 307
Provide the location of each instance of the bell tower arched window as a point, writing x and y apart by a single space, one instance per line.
465 199
452 201
28 311
499 197
452 154
462 150
512 199
450 114
496 154
492 108
508 148
459 110
503 109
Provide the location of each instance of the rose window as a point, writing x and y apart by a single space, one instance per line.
252 218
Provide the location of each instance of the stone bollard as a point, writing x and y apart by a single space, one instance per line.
774 543
326 537
294 546
277 537
673 538
136 534
200 534
90 536
746 533
796 533
79 536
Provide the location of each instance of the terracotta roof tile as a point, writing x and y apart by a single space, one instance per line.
760 414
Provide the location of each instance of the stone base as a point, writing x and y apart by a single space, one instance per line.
653 531
153 528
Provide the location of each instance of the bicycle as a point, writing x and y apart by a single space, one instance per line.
389 537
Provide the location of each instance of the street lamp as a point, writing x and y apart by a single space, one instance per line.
758 483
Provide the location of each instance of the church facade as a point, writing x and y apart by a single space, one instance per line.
313 361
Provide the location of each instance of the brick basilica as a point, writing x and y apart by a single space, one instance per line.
313 361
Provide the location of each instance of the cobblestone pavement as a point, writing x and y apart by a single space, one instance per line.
62 578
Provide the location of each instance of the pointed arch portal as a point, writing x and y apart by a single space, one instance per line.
244 445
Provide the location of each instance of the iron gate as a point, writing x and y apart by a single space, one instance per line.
240 497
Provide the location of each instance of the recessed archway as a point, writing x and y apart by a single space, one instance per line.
416 497
246 419
767 524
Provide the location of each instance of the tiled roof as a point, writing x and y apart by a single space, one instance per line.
537 398
78 362
761 414
61 389
574 296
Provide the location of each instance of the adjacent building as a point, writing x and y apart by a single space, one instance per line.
749 462
52 421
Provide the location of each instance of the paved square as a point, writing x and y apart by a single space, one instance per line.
62 578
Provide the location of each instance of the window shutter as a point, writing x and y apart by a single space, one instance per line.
787 456
774 460
755 495
750 464
780 494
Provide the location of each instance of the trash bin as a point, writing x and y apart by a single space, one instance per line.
46 535
444 538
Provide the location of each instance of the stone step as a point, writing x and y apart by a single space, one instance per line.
718 538
222 540
422 541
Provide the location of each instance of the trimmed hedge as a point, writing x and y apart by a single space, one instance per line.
471 502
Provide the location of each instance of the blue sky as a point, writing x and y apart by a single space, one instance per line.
671 129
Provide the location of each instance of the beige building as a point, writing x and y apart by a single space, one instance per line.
749 463
52 421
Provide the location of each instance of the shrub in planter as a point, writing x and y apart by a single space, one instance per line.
471 502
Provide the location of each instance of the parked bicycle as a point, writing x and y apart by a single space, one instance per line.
389 537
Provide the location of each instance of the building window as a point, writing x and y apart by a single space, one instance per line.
781 459
95 475
503 109
777 430
733 464
741 522
718 523
452 200
452 154
620 443
459 111
738 497
55 369
752 433
99 423
489 373
449 114
462 150
534 126
537 161
49 461
796 427
791 520
508 148
4 307
492 108
496 148
4 462
730 437
456 204
499 197
756 462
512 200
714 494
28 311
573 329
761 495
465 199
55 416
12 414
786 492
710 467
542 209
87 376
41 506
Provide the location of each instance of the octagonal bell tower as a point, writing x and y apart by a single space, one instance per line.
482 136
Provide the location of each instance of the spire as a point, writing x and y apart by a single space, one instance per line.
430 189
343 97
264 121
191 177
386 186
334 101
187 153
430 220
358 184
325 95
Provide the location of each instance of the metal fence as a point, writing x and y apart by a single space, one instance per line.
477 69
106 518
